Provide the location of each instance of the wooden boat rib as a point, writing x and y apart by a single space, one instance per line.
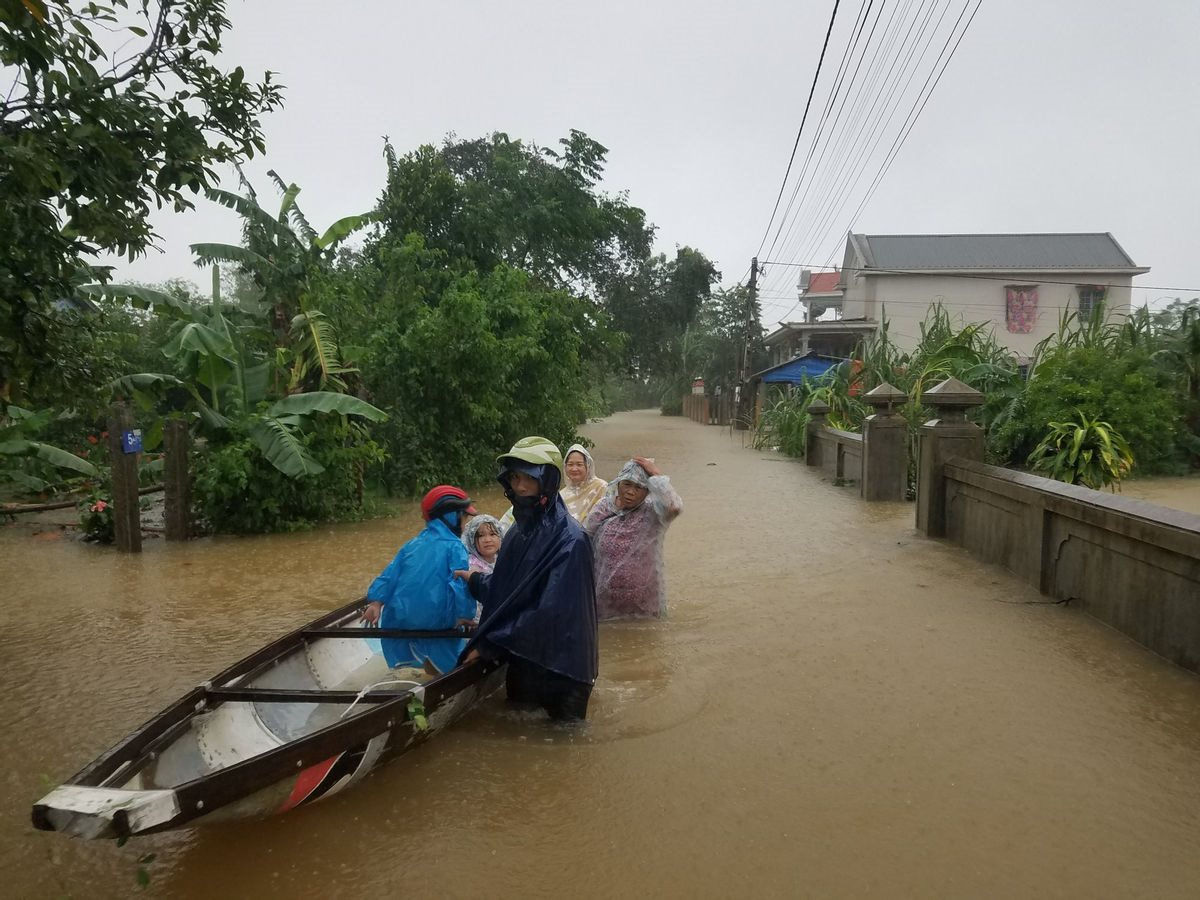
303 718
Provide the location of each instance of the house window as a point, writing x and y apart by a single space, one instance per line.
1020 307
1091 298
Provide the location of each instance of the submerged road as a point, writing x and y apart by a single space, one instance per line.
836 708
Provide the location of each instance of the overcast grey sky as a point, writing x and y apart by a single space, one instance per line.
1072 115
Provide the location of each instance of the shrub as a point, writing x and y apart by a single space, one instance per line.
236 490
1127 390
1083 451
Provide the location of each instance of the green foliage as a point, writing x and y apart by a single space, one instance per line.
238 490
283 255
34 465
1083 451
464 365
783 425
91 140
96 519
1127 389
497 201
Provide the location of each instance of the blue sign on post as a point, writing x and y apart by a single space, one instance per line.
131 441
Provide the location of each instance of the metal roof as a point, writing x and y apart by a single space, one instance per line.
992 252
796 370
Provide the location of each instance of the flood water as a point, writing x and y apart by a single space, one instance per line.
836 708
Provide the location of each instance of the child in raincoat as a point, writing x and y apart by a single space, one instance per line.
418 589
482 538
627 528
583 489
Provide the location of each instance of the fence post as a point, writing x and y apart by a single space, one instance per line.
127 516
176 481
885 439
817 411
948 434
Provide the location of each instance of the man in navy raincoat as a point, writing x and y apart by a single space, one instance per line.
539 604
418 589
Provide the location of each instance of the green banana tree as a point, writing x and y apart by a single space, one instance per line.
226 384
23 460
282 252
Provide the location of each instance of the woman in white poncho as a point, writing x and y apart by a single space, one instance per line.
583 489
627 528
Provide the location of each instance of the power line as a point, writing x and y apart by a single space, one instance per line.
864 11
803 119
850 171
897 148
853 124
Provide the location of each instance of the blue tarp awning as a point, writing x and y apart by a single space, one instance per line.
795 371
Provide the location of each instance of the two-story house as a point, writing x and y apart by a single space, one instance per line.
1021 284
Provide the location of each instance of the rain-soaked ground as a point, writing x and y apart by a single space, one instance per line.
836 707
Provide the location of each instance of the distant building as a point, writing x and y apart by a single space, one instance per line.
1020 283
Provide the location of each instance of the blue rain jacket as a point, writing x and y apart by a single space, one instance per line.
419 591
539 602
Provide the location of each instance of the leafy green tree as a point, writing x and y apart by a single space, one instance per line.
93 138
465 363
496 200
656 304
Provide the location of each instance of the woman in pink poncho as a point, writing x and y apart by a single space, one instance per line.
627 528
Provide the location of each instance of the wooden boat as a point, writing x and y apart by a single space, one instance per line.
303 718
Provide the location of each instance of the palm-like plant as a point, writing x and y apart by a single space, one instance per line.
1085 451
282 251
227 383
24 460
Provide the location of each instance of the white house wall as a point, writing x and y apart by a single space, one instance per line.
905 300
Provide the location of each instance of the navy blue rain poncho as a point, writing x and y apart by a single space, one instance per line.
418 590
540 602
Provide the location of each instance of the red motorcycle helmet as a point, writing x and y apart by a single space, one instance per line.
446 498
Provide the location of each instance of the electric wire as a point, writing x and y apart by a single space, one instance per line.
803 119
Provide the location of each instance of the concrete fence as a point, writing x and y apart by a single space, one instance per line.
1133 565
877 459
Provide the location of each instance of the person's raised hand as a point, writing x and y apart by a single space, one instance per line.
648 464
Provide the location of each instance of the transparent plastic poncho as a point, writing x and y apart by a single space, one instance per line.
628 547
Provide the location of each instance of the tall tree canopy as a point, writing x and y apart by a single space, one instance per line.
106 111
497 200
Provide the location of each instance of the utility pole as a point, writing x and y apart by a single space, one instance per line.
744 402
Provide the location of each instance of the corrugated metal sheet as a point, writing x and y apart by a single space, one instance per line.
994 251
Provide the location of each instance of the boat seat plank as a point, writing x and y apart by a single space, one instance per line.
273 695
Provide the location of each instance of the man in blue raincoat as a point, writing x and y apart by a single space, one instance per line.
418 589
539 604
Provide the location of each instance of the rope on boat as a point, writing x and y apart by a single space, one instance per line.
371 687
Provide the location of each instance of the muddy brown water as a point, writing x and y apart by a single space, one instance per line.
836 707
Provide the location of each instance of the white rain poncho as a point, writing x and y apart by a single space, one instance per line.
580 499
628 547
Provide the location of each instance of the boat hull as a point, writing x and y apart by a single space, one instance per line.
239 751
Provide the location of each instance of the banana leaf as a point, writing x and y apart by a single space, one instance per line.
47 453
283 448
326 402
